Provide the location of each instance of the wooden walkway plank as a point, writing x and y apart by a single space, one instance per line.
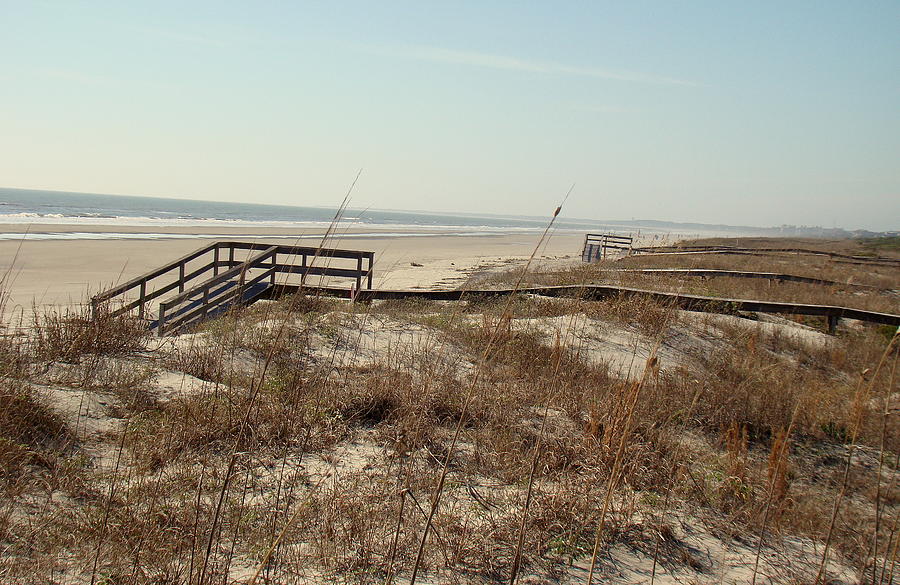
735 250
711 273
599 292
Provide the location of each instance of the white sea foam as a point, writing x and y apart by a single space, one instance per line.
28 218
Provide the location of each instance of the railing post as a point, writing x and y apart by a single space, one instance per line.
141 298
94 309
205 301
216 260
181 278
303 272
230 256
161 322
358 272
369 277
274 268
832 324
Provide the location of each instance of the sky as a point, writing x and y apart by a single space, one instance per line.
751 113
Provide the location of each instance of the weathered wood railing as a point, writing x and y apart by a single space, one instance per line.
190 275
144 282
597 245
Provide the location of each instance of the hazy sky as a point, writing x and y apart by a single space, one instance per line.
743 113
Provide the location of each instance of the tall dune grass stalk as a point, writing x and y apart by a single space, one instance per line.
878 508
893 530
517 557
254 391
620 452
892 556
395 542
780 455
107 509
863 392
676 457
439 488
560 345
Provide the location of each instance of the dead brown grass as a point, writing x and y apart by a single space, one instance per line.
68 334
292 464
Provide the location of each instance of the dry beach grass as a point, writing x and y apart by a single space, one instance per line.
527 439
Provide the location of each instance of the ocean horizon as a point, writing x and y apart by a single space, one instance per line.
24 207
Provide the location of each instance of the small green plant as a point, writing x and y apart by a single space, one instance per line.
836 432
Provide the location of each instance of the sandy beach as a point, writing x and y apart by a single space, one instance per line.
67 271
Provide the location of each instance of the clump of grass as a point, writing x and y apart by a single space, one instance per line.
210 423
68 334
14 358
30 432
206 362
650 317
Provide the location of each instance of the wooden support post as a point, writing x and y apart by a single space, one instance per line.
303 272
93 309
216 260
141 299
230 257
832 324
358 272
274 264
369 277
181 277
205 301
161 322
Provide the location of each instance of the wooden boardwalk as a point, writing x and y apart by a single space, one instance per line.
738 251
772 276
211 279
600 292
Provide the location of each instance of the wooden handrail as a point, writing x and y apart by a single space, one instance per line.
222 277
305 250
108 294
613 237
163 290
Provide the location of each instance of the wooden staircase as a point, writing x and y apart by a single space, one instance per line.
214 278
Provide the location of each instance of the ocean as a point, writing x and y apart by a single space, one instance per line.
24 207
